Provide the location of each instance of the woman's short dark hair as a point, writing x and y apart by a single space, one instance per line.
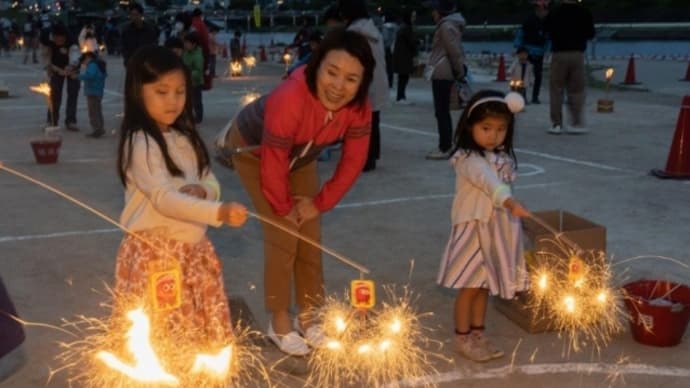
354 44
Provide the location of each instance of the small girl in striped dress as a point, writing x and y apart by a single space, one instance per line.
484 253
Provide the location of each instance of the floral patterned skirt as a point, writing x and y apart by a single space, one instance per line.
180 287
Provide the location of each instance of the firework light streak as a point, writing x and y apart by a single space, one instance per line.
44 89
249 98
386 346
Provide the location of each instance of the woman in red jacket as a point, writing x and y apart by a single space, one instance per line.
322 103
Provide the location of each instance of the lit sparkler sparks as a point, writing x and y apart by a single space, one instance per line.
249 98
609 74
249 62
576 293
42 88
144 357
235 69
386 346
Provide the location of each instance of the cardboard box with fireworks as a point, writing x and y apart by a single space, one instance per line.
541 246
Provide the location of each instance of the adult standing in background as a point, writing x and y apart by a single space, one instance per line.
60 68
446 65
570 26
199 26
404 51
389 32
356 17
137 33
532 36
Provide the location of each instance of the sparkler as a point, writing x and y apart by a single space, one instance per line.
387 346
235 69
287 58
146 357
44 89
608 75
249 62
574 291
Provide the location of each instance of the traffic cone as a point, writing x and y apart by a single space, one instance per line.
263 55
687 74
630 72
678 164
501 75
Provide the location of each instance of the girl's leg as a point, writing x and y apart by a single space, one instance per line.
477 323
468 306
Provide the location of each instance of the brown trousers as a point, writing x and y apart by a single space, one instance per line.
567 74
285 256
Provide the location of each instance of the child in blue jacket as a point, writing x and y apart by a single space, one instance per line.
93 76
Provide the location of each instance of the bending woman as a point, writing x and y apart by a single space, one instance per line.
282 134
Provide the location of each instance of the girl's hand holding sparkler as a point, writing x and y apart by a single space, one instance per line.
233 214
516 208
194 190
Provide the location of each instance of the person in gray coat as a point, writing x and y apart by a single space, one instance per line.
404 51
356 17
445 66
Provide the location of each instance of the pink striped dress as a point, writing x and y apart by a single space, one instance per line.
487 254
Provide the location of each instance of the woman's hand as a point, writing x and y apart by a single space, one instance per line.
233 214
306 209
293 217
195 190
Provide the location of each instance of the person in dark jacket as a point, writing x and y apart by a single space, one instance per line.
570 26
61 68
404 51
533 37
137 33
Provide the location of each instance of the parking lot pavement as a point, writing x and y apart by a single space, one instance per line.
57 259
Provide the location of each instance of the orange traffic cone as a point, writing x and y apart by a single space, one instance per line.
678 164
501 74
263 55
630 72
687 74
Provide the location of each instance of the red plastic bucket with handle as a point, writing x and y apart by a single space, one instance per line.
659 311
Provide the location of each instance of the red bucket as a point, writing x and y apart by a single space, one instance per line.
659 311
46 149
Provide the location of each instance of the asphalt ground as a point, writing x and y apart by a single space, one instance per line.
57 259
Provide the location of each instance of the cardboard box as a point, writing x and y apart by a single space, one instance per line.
540 243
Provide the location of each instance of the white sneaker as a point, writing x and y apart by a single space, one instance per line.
555 130
291 343
403 102
314 335
576 130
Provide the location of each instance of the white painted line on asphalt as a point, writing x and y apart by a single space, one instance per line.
343 206
524 151
56 235
573 161
613 370
428 197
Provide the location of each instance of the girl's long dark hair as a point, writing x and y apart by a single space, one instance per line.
463 133
147 65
